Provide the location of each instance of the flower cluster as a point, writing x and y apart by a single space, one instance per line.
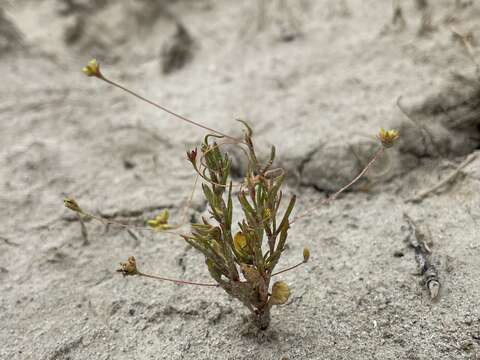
388 137
92 69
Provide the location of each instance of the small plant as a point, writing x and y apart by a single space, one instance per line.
260 240
241 256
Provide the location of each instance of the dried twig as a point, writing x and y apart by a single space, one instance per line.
417 240
134 236
422 195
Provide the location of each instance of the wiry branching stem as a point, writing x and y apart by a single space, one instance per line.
182 282
183 118
288 269
332 197
129 268
121 225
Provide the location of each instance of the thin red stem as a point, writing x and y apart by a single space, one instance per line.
288 269
332 197
183 282
165 109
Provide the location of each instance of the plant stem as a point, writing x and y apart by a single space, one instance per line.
332 197
125 226
262 318
189 201
183 282
288 269
166 110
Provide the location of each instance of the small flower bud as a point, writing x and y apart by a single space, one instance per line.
388 137
129 267
280 293
192 156
92 68
72 205
306 255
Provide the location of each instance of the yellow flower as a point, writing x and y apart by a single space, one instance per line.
280 293
242 249
388 137
241 245
160 222
92 68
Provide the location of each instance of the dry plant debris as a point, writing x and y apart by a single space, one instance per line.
447 180
419 240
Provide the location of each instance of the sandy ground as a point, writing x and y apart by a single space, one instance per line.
315 78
